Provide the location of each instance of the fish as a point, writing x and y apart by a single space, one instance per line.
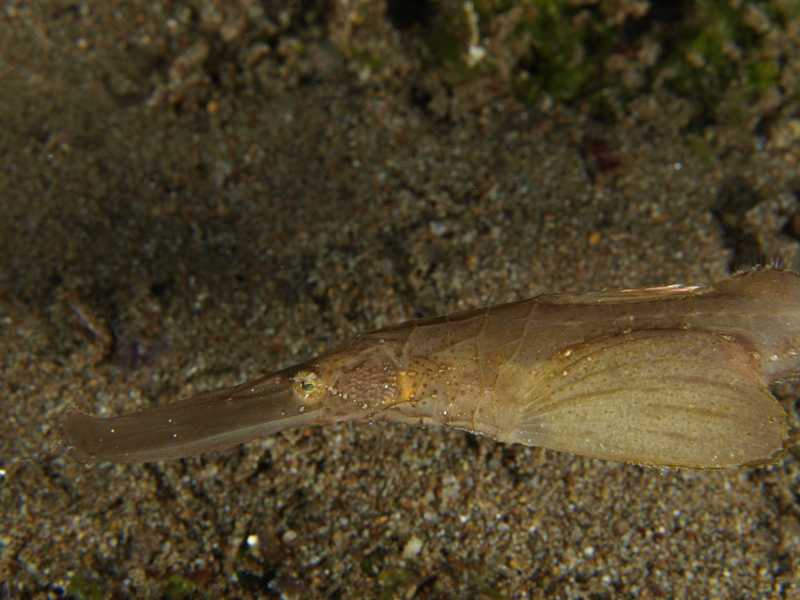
673 377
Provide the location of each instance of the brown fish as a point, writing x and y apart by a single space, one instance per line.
670 376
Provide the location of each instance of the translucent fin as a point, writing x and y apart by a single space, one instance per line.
677 398
667 292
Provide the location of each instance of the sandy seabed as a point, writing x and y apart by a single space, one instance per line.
171 224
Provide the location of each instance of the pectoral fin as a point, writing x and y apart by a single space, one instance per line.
678 398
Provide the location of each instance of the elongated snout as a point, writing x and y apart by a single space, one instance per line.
206 422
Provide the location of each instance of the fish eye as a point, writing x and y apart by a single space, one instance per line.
308 385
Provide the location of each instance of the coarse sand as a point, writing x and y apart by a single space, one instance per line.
175 219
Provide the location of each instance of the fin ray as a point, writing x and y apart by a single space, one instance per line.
681 398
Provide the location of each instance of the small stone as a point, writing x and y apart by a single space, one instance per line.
289 537
413 547
785 134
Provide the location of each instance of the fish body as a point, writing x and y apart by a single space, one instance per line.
672 376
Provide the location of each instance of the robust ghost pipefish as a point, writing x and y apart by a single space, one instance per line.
672 376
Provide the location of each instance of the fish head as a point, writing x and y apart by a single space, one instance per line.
357 380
